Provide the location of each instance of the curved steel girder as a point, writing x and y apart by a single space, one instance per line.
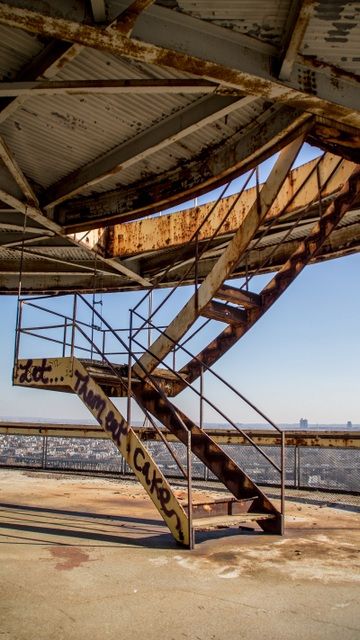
275 128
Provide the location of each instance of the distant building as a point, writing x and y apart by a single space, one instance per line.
303 423
349 424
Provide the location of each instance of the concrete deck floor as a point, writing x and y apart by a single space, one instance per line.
88 558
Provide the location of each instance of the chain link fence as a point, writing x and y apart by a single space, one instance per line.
328 468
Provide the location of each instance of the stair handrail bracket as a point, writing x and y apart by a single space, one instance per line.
70 374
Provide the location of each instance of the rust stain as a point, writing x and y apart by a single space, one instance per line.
68 557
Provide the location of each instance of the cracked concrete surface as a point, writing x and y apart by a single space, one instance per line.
89 557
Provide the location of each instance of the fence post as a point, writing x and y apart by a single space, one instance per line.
283 476
189 483
44 453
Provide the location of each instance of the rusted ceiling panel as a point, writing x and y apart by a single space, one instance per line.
264 20
16 49
333 35
180 152
65 132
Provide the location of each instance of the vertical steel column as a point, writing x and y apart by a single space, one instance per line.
283 475
19 312
44 452
73 325
64 339
103 345
189 488
128 418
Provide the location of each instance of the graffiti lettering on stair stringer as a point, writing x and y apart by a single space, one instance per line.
155 486
93 401
97 404
116 428
35 373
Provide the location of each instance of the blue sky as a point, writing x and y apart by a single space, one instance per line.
300 360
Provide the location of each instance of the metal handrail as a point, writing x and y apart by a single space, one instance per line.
203 249
213 406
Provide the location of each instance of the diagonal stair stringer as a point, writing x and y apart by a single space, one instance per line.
69 374
211 454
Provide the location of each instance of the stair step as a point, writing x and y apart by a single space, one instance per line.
223 522
220 507
224 313
245 299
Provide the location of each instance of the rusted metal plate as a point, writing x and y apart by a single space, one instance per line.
298 191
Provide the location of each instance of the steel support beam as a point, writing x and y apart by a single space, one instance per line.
298 191
18 175
177 126
296 33
104 87
272 130
309 438
37 215
160 40
226 263
98 10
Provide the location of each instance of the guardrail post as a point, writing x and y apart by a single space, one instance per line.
189 488
18 329
129 372
64 339
283 477
73 325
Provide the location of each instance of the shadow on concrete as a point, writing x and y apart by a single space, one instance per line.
141 536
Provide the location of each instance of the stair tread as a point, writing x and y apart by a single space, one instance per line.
224 313
246 299
221 501
229 521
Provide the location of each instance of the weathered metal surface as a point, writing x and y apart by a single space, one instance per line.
273 129
163 134
121 86
224 313
226 263
71 374
210 453
195 46
304 252
298 191
304 10
253 77
309 438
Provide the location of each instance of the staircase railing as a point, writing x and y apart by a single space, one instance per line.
71 327
69 347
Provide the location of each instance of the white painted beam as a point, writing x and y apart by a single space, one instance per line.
296 37
10 162
98 10
38 216
121 87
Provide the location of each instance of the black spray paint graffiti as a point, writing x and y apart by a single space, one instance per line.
93 401
97 404
155 483
36 373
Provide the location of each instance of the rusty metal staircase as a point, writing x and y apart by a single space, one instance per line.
150 380
94 380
